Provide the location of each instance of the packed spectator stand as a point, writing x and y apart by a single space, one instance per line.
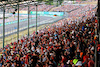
63 44
70 7
67 7
40 8
82 10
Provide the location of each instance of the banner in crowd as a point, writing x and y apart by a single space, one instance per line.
47 13
41 13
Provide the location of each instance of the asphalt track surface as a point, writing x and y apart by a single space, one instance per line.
13 26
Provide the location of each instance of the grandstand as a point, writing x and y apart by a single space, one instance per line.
34 34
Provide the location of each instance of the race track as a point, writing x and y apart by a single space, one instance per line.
13 26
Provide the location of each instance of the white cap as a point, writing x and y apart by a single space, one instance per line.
79 63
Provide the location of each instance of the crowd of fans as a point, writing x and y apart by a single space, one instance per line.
40 8
69 7
82 10
79 1
66 8
62 44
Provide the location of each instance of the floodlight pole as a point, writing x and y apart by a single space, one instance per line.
28 20
36 19
3 25
18 23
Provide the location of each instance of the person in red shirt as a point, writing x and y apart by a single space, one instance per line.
85 60
26 60
64 59
91 62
